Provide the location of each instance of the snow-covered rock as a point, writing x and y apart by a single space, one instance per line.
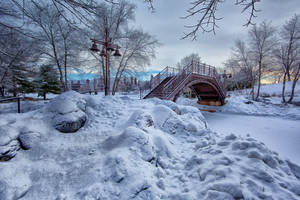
29 139
70 122
9 150
68 112
9 145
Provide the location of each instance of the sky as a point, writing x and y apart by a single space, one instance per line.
166 24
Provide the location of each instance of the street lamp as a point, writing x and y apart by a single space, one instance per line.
108 47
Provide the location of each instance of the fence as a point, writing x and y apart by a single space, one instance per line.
14 98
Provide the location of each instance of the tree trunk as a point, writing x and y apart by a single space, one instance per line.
115 86
283 87
289 76
116 81
259 81
61 78
120 72
2 91
44 95
65 65
66 79
294 85
252 89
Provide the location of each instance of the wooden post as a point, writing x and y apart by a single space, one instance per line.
88 86
19 105
131 80
151 81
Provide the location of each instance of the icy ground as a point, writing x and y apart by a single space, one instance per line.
134 149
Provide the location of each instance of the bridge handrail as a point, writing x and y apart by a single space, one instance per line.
177 78
162 75
193 67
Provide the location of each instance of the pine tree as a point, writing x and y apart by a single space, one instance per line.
48 81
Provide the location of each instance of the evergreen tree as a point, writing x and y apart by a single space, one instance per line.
48 81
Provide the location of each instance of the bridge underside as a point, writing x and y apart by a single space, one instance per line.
206 89
205 92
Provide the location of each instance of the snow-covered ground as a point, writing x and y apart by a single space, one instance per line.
134 149
269 105
269 121
280 135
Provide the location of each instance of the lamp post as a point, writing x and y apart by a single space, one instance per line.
108 47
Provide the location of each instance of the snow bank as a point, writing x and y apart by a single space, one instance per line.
275 89
240 104
131 149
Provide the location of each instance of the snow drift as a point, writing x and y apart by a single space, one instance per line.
131 149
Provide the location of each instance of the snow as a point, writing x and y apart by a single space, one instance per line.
136 149
26 106
238 104
276 89
281 135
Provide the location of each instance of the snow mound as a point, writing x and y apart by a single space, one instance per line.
14 184
242 168
135 139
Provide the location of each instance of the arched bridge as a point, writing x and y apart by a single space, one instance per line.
203 79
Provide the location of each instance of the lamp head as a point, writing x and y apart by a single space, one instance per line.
94 47
117 53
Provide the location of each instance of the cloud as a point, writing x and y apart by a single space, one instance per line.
165 23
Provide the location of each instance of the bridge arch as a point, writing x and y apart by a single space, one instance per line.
204 90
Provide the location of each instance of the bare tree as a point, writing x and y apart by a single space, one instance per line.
296 75
137 48
241 65
60 38
205 12
288 54
193 57
262 44
18 55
